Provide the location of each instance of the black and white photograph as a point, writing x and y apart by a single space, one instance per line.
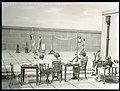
60 45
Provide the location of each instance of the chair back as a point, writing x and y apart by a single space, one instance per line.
56 66
113 71
43 67
83 66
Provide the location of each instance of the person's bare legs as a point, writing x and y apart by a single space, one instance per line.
99 76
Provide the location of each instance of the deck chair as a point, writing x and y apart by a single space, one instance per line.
56 68
113 73
44 71
84 69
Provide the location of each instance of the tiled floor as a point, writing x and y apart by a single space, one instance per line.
19 58
90 83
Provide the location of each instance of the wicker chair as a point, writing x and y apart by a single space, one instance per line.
56 68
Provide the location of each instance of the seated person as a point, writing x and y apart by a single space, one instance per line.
96 57
44 69
97 64
107 63
82 64
56 55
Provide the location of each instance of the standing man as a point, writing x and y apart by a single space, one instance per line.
39 44
84 45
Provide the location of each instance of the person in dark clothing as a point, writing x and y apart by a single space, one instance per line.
107 63
82 63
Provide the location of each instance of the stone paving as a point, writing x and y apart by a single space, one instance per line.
90 83
19 58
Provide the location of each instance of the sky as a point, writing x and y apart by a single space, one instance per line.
82 16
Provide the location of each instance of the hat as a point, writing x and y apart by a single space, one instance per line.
57 55
108 57
83 53
41 56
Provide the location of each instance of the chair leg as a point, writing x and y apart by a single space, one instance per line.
61 75
104 75
40 78
57 74
47 79
52 76
104 80
85 74
96 71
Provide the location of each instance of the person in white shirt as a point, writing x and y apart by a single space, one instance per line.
44 66
39 44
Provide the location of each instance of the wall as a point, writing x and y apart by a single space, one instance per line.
113 34
63 39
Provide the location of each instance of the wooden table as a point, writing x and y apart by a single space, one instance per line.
71 64
23 67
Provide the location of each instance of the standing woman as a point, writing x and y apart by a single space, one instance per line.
79 43
83 47
33 45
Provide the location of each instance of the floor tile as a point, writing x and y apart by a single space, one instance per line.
5 84
63 86
42 86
